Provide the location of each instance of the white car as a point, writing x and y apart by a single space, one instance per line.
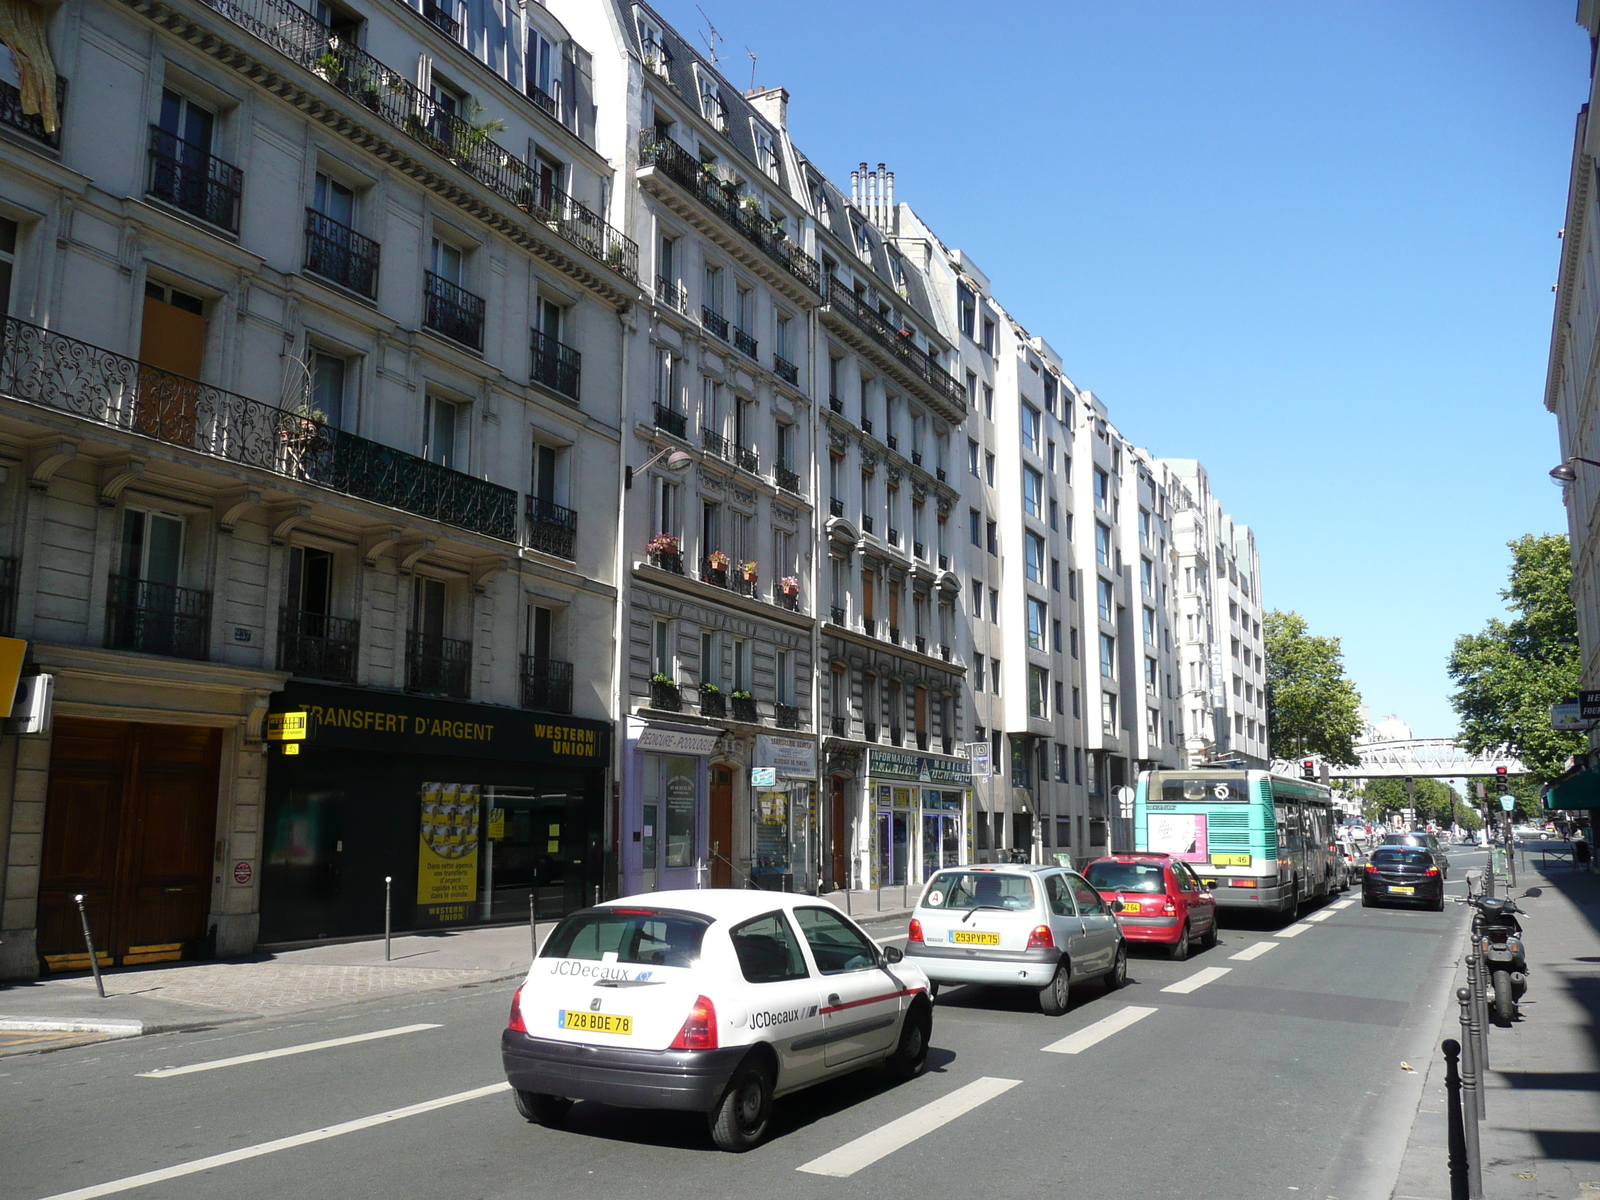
1036 927
712 1001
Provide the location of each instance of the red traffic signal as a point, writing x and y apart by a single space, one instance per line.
1308 769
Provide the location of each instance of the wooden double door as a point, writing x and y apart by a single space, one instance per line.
130 823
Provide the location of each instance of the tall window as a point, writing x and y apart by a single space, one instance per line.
1033 558
784 685
1102 489
1102 544
972 458
1104 588
780 345
661 650
543 66
967 305
975 526
1030 428
710 657
1108 656
1038 689
1149 627
712 298
1036 619
442 433
328 383
446 261
1032 491
1147 577
334 200
8 260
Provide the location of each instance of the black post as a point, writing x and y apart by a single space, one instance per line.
1457 1134
1468 1111
533 922
387 889
88 940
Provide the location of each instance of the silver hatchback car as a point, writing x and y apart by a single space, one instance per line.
1039 927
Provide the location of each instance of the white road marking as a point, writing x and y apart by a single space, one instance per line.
1294 930
1251 952
217 1064
1343 904
897 1134
1091 1035
1321 916
1198 980
289 1143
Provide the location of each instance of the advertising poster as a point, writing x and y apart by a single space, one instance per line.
447 854
1182 835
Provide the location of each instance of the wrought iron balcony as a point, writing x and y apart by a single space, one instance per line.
869 626
786 716
45 368
841 726
894 634
949 744
438 666
714 321
944 562
341 255
543 100
670 561
8 596
785 370
157 618
894 536
744 709
713 442
713 572
783 599
918 550
836 508
866 523
896 736
442 17
745 585
318 646
295 33
893 442
922 741
552 528
452 311
556 365
836 615
786 479
665 696
866 424
900 346
916 458
939 474
869 730
672 294
836 404
713 704
745 344
678 165
922 644
944 652
189 178
747 459
32 124
671 422
546 684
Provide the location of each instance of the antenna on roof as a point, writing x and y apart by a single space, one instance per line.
752 55
712 36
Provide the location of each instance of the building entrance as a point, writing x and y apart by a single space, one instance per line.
941 841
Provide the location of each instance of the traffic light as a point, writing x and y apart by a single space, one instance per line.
1500 778
1308 769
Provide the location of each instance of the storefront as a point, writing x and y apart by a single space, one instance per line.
666 832
475 812
783 818
917 813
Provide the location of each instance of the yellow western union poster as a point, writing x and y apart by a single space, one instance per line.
447 863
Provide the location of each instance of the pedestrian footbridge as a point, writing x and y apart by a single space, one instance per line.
1437 758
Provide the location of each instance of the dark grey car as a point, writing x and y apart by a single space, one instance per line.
1425 841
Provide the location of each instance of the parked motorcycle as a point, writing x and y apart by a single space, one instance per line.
1499 935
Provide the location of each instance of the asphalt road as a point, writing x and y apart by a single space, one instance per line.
1272 1076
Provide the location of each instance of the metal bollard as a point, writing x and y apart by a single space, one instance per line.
88 940
533 922
1457 1135
1469 1109
387 892
1477 979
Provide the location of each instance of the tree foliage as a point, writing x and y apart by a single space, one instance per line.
1311 703
1431 799
1508 676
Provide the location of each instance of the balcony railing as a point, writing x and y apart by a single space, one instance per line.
745 586
866 524
841 726
786 479
438 666
745 344
869 730
543 100
157 618
939 474
896 736
922 644
672 294
713 573
783 599
32 124
949 744
713 704
836 404
318 646
894 634
713 442
900 346
836 615
442 16
894 536
836 508
944 652
893 442
296 34
869 626
665 696
714 321
187 177
671 422
786 716
680 166
918 550
747 459
670 561
452 311
546 684
944 562
48 369
916 458
8 596
785 370
866 424
922 741
552 528
556 365
744 709
341 255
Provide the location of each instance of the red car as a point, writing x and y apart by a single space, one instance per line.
1157 899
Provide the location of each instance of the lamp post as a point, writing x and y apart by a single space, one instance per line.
1566 473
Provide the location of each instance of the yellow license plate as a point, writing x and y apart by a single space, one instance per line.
1404 891
1230 860
593 1022
1131 906
963 937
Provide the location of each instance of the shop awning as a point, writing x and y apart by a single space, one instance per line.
1576 791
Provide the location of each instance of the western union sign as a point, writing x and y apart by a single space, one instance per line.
286 727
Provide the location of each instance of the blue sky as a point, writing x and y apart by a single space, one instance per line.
1310 245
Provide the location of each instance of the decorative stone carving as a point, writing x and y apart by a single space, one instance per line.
783 514
710 481
744 494
869 459
844 762
894 474
919 490
944 504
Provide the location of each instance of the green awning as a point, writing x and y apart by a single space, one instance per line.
1576 791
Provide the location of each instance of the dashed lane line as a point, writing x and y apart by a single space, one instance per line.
244 1153
219 1063
1198 980
897 1134
1321 916
1250 952
1093 1035
1294 930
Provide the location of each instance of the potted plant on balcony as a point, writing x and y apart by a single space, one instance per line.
789 588
747 571
664 692
663 551
717 568
712 703
744 706
300 435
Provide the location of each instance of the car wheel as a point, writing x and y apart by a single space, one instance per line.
1438 903
1209 942
933 991
1055 997
1118 975
542 1109
740 1121
1180 948
911 1053
1367 901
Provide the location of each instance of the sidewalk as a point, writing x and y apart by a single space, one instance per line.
1541 1137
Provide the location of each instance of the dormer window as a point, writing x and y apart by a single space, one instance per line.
653 45
766 158
711 106
863 242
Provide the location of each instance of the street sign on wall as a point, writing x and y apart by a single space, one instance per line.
1589 705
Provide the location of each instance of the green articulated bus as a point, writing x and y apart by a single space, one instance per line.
1256 839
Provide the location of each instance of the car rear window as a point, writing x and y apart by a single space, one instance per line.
1401 856
1127 877
977 889
646 937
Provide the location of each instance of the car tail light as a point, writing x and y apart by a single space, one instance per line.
1371 870
1431 871
1041 938
699 1031
516 1023
914 934
1169 909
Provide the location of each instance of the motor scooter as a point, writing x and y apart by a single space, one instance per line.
1499 935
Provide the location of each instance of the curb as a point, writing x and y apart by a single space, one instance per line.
127 1028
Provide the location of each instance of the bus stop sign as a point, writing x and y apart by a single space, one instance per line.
1508 802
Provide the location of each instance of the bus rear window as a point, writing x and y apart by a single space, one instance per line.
644 937
1193 789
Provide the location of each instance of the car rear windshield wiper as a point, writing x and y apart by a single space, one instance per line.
980 907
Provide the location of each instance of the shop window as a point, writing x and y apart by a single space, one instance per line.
671 789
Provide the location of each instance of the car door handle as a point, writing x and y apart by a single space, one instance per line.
833 998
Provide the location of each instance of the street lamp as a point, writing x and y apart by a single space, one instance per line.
1565 472
677 460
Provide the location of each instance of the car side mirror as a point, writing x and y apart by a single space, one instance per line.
893 954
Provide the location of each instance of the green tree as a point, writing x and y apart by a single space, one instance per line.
1432 800
1508 676
1311 704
